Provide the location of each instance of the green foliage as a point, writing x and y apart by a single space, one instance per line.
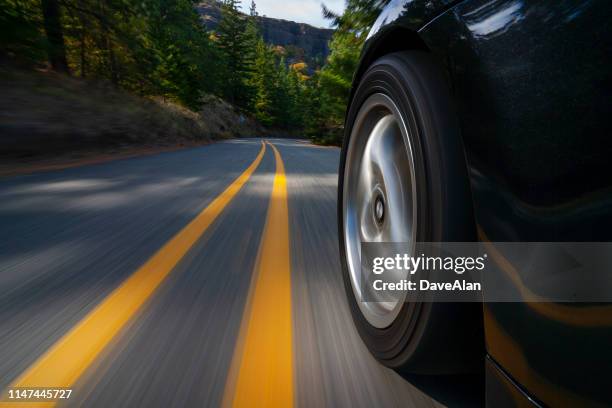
21 35
256 75
183 54
235 44
330 88
358 16
263 83
150 47
336 75
296 87
159 48
279 89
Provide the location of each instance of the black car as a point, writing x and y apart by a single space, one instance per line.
484 120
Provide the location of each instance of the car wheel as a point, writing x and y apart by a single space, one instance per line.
403 178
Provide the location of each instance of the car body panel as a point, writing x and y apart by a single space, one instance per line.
531 82
502 391
412 14
391 25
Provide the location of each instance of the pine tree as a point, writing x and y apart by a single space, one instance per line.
331 87
252 37
264 84
182 49
234 47
149 47
55 35
282 100
253 9
295 79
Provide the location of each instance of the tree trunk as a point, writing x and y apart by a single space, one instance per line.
55 35
113 61
83 54
109 45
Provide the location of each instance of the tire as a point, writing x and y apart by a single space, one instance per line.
418 338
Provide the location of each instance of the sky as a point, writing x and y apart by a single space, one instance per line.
301 11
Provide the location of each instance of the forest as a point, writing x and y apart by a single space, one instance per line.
160 48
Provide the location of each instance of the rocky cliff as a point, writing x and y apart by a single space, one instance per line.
302 41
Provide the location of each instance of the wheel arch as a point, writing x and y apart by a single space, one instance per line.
389 39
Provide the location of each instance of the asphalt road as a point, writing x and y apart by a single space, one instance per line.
187 328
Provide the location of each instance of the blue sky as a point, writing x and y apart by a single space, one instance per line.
302 11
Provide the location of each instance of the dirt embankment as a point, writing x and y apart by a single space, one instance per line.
49 120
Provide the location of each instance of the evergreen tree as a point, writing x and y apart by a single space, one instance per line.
160 48
264 84
295 79
150 47
252 38
21 36
331 86
253 9
55 35
233 44
282 101
182 49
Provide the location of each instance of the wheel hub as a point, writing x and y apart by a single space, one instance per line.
379 209
379 194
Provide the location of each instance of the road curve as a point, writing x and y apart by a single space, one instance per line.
74 238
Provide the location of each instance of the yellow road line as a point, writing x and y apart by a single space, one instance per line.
67 359
265 354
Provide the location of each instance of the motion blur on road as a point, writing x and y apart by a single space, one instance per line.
205 319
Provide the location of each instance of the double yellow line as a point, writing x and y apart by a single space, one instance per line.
267 344
261 373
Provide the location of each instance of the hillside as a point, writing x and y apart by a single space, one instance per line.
49 116
302 42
